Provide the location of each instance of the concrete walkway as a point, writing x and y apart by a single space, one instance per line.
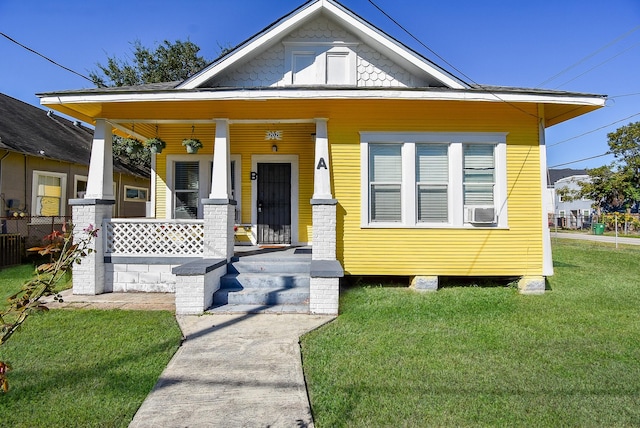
598 238
232 370
241 370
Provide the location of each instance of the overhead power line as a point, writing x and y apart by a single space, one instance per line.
616 40
44 56
447 62
597 65
580 160
593 130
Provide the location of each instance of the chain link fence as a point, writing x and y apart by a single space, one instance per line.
22 233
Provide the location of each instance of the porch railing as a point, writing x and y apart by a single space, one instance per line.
153 237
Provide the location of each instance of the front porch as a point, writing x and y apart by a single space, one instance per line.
168 256
189 247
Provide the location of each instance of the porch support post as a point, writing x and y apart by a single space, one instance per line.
219 209
95 209
221 177
322 171
100 179
326 270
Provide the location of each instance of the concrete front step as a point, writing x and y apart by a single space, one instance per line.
261 296
260 266
262 280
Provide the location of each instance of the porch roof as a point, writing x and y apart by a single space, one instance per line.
90 104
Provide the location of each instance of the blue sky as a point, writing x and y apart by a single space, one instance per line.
493 42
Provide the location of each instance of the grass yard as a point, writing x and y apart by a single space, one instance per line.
486 356
82 367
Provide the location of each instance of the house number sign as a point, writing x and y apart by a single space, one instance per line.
322 164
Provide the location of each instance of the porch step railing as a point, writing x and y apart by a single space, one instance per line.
154 238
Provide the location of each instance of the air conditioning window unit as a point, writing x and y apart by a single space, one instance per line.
480 215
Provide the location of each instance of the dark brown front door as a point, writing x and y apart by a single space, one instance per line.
274 203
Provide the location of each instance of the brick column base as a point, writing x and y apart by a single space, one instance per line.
326 271
89 275
219 219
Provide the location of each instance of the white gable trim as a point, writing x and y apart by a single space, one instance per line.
369 33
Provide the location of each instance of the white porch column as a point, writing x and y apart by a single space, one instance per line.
219 209
100 180
326 271
322 172
221 177
94 210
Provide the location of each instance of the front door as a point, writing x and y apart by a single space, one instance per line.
274 203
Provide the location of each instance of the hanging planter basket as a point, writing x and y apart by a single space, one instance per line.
155 145
192 144
132 146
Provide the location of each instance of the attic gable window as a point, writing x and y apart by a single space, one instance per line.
332 64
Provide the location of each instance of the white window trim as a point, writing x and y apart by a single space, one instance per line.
321 50
456 202
63 192
76 179
127 187
204 177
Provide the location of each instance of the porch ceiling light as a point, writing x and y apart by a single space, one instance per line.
274 148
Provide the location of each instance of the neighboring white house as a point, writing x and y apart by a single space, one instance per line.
574 214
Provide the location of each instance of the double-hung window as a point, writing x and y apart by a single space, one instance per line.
49 193
432 183
385 182
433 179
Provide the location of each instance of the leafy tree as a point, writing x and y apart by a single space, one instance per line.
169 62
617 185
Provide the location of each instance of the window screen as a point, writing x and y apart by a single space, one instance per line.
432 177
385 181
479 174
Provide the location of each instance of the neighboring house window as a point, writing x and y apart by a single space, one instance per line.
433 179
80 186
562 214
49 193
135 194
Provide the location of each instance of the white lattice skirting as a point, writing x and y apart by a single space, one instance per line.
154 238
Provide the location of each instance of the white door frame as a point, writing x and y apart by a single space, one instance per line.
291 159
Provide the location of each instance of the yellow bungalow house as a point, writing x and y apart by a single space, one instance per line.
323 132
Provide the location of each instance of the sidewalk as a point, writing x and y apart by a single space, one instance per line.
598 238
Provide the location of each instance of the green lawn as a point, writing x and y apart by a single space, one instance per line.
487 356
82 367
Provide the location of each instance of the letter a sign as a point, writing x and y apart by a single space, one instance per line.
322 164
